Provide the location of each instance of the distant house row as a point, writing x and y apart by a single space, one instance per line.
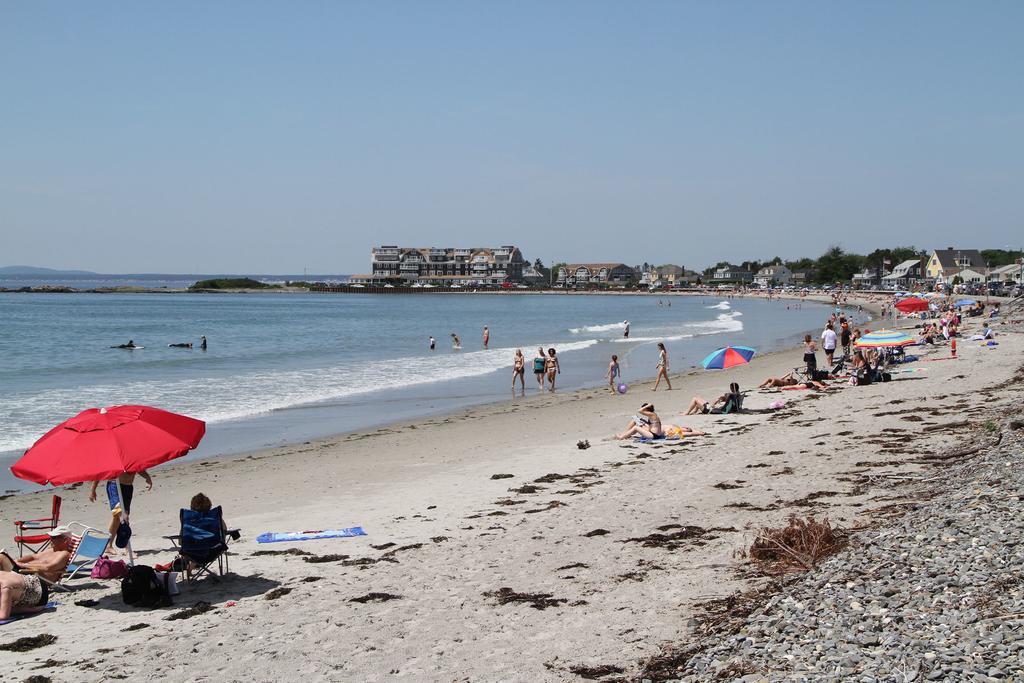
506 264
943 266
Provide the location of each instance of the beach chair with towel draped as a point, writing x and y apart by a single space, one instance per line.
31 535
202 542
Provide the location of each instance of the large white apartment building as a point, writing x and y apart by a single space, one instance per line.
432 265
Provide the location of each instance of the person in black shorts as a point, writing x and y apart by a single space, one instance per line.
810 357
539 362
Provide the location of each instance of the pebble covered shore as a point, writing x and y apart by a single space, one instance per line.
937 594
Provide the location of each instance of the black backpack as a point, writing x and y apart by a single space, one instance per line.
142 587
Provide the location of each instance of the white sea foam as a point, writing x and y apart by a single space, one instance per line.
721 306
665 338
598 328
725 322
216 399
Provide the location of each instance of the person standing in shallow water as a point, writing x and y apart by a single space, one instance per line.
433 343
662 367
487 336
552 368
519 370
613 374
539 363
625 332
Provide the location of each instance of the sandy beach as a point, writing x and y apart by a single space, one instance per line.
605 551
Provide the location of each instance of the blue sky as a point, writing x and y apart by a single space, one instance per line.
272 137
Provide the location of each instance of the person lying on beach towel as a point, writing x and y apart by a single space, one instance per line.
809 384
645 423
786 380
681 431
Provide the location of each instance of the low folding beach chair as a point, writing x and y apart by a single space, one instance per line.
202 541
31 534
87 546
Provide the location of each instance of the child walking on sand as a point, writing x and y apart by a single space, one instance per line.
613 373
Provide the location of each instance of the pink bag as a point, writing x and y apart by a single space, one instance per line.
106 568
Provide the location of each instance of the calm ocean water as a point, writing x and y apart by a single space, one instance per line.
288 367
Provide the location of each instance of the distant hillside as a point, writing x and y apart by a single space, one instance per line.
33 270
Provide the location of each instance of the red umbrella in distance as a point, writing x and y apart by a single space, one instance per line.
103 443
912 304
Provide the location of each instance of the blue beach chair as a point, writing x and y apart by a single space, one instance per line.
89 545
202 541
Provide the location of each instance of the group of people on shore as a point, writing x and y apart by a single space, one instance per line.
26 581
545 368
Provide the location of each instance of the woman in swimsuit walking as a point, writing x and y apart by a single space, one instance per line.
539 363
662 367
519 370
552 367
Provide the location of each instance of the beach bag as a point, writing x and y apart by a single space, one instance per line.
105 568
123 535
141 587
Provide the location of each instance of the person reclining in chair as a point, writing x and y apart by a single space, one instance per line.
22 585
731 402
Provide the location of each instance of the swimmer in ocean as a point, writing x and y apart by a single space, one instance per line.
456 343
129 345
202 342
182 345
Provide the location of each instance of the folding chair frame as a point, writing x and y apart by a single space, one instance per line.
29 541
79 533
193 569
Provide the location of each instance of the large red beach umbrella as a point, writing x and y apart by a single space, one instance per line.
912 304
103 443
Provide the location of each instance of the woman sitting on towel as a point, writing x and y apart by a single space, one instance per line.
645 424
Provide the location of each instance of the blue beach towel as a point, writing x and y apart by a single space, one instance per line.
272 537
50 607
657 438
